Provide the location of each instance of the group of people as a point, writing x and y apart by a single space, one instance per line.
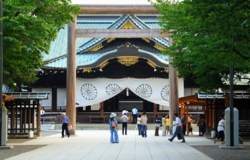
113 123
142 126
164 122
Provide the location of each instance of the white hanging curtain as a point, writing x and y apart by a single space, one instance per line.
94 91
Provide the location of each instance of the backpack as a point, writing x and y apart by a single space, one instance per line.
113 124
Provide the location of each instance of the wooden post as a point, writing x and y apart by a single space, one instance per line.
173 89
71 75
102 109
38 116
155 109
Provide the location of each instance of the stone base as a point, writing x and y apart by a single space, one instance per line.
6 147
231 147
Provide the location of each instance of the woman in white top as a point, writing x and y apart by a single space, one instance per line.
220 130
139 124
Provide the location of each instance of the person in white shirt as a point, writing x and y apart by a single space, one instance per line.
42 113
178 129
124 120
139 124
134 114
124 111
220 130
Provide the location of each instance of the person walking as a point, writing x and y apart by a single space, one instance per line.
144 121
163 121
65 123
113 126
220 129
134 114
124 120
139 124
178 129
157 124
167 124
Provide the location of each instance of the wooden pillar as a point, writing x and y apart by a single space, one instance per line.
54 99
186 116
155 109
102 109
173 88
207 117
214 115
71 75
38 116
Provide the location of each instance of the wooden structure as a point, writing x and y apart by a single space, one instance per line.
213 106
108 33
24 112
6 98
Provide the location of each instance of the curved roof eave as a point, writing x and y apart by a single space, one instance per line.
159 60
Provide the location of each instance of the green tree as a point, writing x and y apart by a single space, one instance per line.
29 27
207 36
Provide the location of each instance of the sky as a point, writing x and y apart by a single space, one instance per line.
110 2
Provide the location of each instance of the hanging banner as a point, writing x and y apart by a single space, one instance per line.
94 91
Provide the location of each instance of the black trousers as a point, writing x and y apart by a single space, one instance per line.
221 135
42 118
65 127
184 130
134 118
124 127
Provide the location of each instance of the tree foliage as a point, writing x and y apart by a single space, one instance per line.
207 36
29 27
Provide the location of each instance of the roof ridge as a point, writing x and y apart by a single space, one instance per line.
93 41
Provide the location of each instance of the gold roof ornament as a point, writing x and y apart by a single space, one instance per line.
128 25
159 47
87 70
151 64
104 64
166 69
96 48
128 61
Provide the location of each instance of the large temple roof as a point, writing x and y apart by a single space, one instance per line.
89 50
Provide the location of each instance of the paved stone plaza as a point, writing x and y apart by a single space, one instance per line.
94 144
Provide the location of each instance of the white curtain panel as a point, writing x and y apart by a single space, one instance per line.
94 91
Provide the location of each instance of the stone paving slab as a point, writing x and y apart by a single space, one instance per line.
95 145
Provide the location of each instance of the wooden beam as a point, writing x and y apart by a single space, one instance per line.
121 33
118 9
188 98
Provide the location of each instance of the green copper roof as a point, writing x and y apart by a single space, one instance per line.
57 58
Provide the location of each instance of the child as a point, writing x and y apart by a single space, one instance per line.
167 124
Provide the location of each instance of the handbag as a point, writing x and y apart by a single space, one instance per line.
70 127
113 124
